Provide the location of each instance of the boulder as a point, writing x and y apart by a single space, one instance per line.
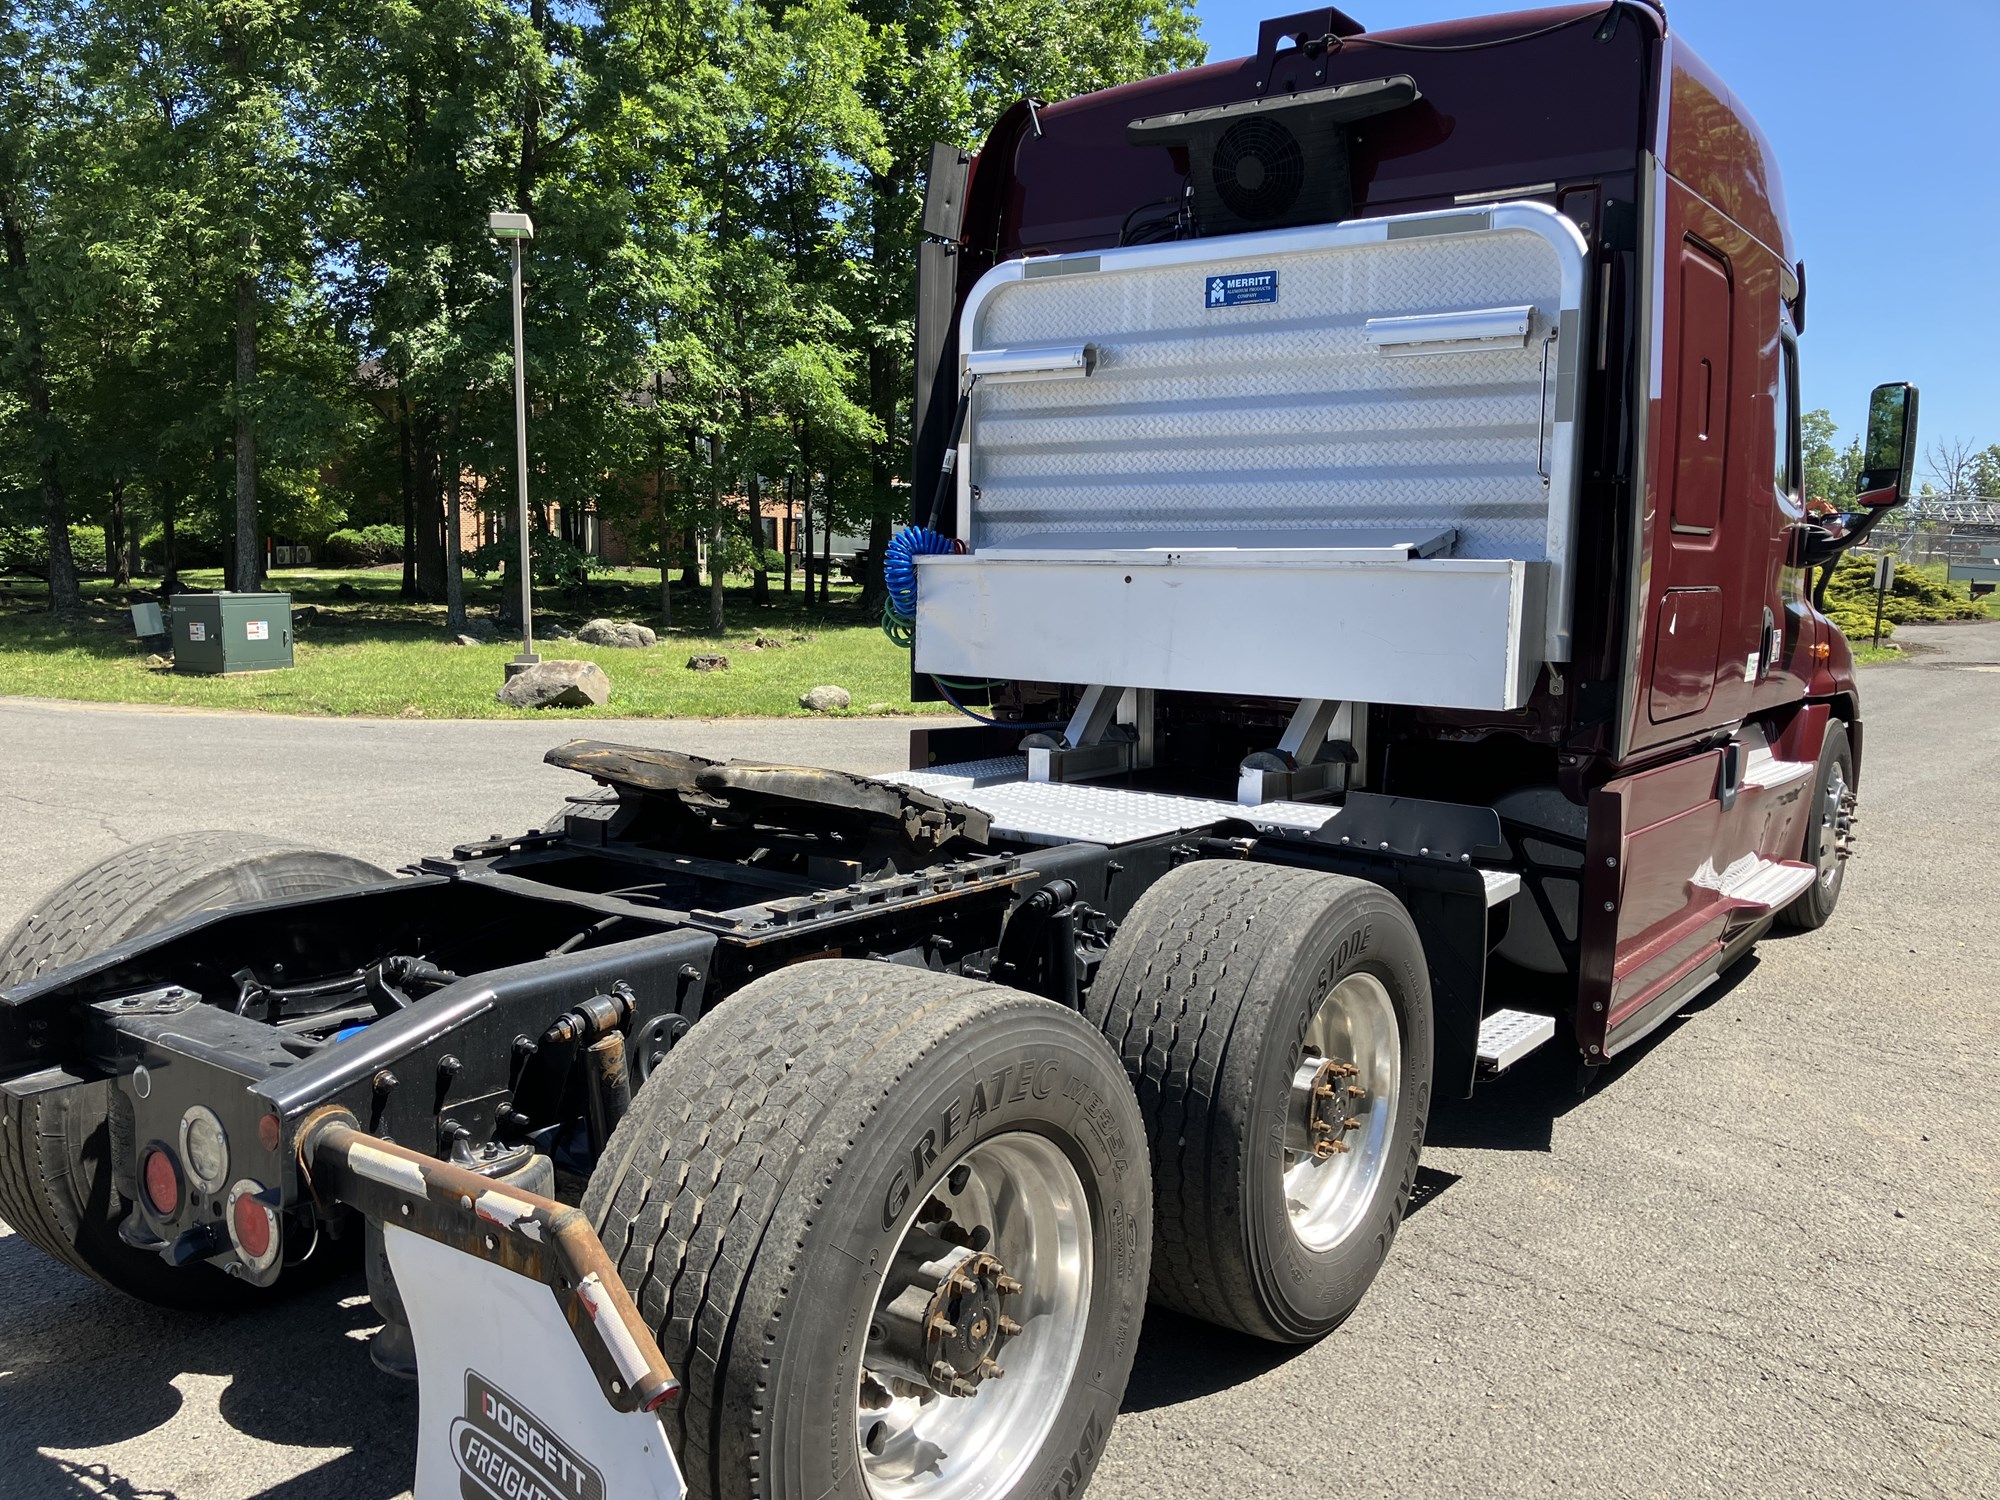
482 630
826 700
622 633
341 591
158 663
557 684
708 661
468 640
554 632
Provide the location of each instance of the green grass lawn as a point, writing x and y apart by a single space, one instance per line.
372 654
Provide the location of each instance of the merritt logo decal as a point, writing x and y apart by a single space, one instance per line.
505 1452
1243 288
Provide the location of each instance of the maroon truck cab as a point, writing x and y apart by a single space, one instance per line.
1662 788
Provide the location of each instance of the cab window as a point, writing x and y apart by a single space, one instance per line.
1790 459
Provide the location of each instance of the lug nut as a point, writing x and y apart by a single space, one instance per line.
960 1176
1007 1286
943 1327
1009 1329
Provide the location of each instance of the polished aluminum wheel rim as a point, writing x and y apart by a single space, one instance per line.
1836 817
1343 1108
1023 1193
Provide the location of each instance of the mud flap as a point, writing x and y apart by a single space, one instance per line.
508 1407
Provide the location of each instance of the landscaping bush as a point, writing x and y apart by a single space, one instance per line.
24 549
1918 596
557 563
363 546
191 550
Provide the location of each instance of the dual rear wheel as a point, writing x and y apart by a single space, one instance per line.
896 1229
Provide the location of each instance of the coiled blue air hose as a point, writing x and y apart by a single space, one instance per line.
899 610
899 577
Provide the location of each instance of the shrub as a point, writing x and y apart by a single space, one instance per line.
24 549
363 546
557 563
1918 596
191 550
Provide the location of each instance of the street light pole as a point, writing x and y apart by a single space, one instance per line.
514 228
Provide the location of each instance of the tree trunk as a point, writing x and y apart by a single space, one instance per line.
249 547
452 493
691 567
65 597
115 558
430 518
170 560
826 556
790 539
718 550
406 469
882 376
760 591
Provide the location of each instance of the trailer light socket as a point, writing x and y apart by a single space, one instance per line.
253 1228
205 1149
160 1182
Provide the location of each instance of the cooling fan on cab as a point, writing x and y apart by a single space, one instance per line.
1257 170
1267 163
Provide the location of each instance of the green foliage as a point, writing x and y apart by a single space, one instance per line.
363 546
25 549
557 563
1832 473
1918 596
726 196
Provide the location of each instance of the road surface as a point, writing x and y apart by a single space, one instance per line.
1760 1259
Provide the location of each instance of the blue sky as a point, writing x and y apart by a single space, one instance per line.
1886 123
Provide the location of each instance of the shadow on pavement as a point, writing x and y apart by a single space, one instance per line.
84 1369
1517 1111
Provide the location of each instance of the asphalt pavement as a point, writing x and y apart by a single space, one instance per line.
1760 1258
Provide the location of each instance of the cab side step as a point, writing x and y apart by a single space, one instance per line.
1507 1036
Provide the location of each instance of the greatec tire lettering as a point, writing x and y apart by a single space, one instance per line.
756 1192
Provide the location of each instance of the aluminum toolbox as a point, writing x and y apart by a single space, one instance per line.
1335 461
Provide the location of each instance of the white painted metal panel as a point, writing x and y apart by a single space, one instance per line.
1436 632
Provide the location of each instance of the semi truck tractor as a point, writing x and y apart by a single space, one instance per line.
1359 483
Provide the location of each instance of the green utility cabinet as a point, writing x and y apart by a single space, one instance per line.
232 632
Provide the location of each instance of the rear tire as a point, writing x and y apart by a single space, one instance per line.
1832 813
762 1196
1232 992
56 1183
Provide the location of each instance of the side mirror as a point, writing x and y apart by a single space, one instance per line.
1891 453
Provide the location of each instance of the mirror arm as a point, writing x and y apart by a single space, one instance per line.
1821 553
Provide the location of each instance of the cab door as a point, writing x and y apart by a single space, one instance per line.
1687 637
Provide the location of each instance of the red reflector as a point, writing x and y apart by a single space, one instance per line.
253 1227
269 1132
162 1183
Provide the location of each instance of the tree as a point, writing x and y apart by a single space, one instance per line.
1953 463
942 71
38 127
1985 474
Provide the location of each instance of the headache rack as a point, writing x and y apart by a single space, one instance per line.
1329 462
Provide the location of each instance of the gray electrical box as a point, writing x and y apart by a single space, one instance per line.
232 632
